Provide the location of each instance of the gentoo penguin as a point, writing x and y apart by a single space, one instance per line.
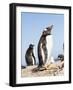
29 56
45 46
61 57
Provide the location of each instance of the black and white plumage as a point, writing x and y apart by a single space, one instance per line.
29 56
45 46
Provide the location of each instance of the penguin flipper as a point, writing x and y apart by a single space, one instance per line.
34 58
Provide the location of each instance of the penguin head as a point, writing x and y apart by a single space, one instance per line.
60 57
47 31
31 46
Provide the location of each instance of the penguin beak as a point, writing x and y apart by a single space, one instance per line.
50 28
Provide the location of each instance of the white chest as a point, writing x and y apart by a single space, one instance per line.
49 45
33 60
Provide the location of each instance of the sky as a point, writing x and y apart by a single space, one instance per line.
32 25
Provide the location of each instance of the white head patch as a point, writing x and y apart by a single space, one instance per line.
45 29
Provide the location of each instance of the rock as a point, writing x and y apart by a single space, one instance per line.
52 69
61 65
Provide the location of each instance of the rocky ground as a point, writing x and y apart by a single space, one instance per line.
52 69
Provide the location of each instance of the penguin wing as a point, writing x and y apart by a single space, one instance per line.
34 57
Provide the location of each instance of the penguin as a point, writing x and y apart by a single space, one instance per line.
61 57
29 56
45 45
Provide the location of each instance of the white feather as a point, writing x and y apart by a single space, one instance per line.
49 46
45 29
52 60
33 60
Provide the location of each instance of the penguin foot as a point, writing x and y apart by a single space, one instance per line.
42 68
39 68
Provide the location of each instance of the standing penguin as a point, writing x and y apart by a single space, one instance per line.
29 56
45 46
